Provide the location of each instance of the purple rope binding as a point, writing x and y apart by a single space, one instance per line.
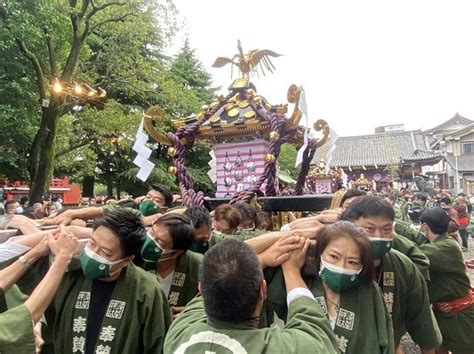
186 186
308 156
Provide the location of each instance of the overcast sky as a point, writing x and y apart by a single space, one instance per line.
362 63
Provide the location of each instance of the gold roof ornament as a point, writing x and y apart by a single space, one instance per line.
157 115
361 183
242 114
248 63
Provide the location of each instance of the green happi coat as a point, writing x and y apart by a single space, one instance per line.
248 234
410 249
401 210
184 285
14 297
306 331
449 281
16 331
239 234
406 296
136 319
362 324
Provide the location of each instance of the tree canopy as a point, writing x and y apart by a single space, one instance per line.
116 45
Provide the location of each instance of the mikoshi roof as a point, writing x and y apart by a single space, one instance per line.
379 150
239 118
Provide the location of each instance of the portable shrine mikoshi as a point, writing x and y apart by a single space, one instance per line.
246 131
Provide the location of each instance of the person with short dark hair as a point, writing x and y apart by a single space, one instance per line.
349 196
166 197
339 271
157 200
450 287
109 303
12 207
402 283
445 204
202 225
24 202
233 289
166 253
417 208
248 216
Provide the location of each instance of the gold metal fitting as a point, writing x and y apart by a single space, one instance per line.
249 114
199 116
172 170
172 151
274 136
214 104
270 158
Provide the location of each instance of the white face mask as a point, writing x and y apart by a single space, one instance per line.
19 210
337 269
167 255
99 258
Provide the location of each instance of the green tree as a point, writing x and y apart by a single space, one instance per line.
77 40
97 143
191 76
286 160
117 45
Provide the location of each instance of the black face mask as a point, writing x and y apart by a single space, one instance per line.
199 246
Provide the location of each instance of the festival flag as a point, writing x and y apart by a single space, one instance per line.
332 147
212 173
143 154
303 108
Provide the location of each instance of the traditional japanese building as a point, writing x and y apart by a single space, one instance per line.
454 139
393 155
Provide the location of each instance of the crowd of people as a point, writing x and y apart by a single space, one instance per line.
147 275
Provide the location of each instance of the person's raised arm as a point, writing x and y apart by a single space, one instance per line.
63 248
33 239
304 314
278 252
67 216
262 242
15 271
24 243
24 224
292 267
80 232
326 217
